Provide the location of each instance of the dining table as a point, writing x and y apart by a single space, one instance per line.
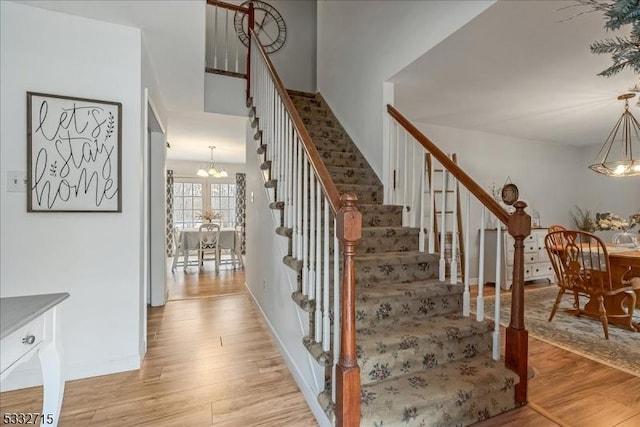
625 266
228 239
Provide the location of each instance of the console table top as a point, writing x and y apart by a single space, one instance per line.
16 312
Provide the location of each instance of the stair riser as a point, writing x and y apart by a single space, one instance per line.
370 273
319 121
365 194
310 111
378 366
350 175
381 216
329 144
341 159
391 243
301 103
325 132
389 311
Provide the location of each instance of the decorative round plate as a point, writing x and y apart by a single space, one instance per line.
509 194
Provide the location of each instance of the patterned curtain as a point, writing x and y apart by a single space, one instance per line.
169 234
241 200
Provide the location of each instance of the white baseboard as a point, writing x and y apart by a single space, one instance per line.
32 376
307 391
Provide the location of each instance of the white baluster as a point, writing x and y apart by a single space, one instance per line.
304 202
480 299
443 227
466 296
226 42
312 238
423 168
336 305
215 38
432 208
294 195
405 183
454 233
299 196
237 44
413 219
326 325
396 171
318 321
496 330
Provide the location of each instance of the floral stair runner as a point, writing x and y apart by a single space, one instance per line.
421 362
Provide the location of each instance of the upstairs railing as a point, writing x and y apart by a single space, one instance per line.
228 42
321 221
409 148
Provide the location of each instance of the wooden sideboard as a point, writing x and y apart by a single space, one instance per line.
536 261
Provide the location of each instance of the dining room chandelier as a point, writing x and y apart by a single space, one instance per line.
616 154
212 171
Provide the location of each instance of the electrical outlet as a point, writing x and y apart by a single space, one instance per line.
17 181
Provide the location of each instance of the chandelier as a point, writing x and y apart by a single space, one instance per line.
616 154
212 169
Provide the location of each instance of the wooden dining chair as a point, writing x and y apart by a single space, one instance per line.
557 240
581 264
209 238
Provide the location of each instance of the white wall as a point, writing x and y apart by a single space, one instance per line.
271 285
548 176
225 95
93 256
363 44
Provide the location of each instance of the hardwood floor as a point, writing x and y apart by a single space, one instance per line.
569 390
211 362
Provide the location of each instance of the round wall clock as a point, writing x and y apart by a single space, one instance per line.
269 26
509 194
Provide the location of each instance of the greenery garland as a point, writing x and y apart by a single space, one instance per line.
624 51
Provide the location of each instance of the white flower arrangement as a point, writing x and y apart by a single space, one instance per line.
209 214
610 221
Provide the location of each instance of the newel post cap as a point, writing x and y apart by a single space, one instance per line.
519 222
349 219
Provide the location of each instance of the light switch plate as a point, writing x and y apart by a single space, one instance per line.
17 181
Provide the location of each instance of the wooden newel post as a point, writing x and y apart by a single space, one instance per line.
349 231
517 337
250 25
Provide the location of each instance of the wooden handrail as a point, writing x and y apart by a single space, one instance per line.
327 184
230 6
454 169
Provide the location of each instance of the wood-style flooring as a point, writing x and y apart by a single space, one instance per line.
211 362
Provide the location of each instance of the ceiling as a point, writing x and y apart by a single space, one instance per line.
521 69
174 35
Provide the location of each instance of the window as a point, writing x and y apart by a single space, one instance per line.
223 200
191 195
187 203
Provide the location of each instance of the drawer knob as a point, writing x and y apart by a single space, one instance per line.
29 339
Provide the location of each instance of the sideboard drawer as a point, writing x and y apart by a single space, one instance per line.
21 342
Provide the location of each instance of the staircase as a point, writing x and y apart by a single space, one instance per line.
421 361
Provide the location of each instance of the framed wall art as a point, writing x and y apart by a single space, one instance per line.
74 154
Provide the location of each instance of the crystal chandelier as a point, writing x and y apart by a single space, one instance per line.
212 169
616 154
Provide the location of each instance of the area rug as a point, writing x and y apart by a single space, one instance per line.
580 335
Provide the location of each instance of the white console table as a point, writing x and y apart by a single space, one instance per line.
30 325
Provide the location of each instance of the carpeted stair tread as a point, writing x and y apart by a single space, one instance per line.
388 239
416 344
368 194
352 175
378 215
391 304
396 257
418 289
453 394
319 121
300 94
